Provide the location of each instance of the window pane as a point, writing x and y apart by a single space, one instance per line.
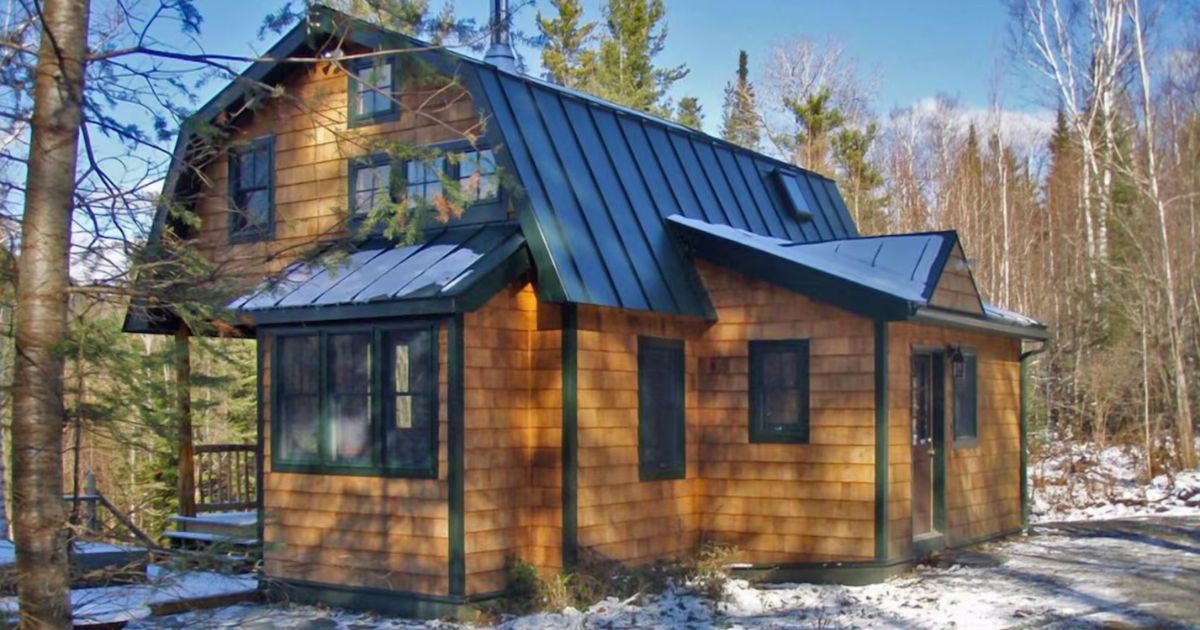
477 175
965 400
661 410
409 418
255 209
374 88
371 184
299 429
298 425
350 428
782 409
350 363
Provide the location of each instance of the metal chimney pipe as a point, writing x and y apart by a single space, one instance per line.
500 53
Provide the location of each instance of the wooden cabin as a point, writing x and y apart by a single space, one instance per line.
634 338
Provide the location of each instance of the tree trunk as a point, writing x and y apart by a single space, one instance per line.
1183 410
183 393
41 318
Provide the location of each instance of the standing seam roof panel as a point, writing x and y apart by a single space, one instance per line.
601 185
566 273
694 172
563 211
631 230
698 206
620 158
755 183
720 184
821 222
596 217
837 209
737 183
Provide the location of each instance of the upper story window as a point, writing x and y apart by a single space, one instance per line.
252 191
779 391
370 184
371 91
661 414
474 170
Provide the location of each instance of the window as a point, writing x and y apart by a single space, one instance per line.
966 400
423 181
477 176
370 185
473 170
779 391
371 85
660 409
356 401
252 190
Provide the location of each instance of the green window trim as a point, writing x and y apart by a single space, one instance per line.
662 421
361 163
966 401
240 229
354 87
379 412
762 430
452 169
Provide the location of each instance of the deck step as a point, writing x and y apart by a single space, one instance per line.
210 539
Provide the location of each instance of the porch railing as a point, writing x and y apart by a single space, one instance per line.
226 477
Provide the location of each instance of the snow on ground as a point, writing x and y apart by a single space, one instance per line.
1078 481
112 604
1141 573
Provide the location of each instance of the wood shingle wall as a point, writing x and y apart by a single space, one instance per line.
983 496
312 149
786 502
357 531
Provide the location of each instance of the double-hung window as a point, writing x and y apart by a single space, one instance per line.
661 417
372 85
370 185
966 398
356 400
779 391
252 190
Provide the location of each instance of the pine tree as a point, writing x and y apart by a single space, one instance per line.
690 114
626 73
860 178
818 120
740 115
565 55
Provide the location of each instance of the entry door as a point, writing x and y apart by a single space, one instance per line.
923 446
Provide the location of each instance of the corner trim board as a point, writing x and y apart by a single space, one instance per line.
570 436
881 440
455 447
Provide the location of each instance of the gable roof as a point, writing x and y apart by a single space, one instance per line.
597 179
605 194
881 277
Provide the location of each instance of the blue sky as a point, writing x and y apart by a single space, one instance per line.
916 49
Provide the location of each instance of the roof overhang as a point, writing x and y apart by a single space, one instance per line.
455 271
988 325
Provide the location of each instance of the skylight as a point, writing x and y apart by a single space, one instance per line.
789 187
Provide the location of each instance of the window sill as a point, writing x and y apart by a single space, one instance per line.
966 442
354 122
764 437
665 474
250 236
354 471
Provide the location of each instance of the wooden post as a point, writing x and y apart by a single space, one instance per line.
89 488
183 396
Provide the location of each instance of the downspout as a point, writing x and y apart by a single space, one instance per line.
1026 358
